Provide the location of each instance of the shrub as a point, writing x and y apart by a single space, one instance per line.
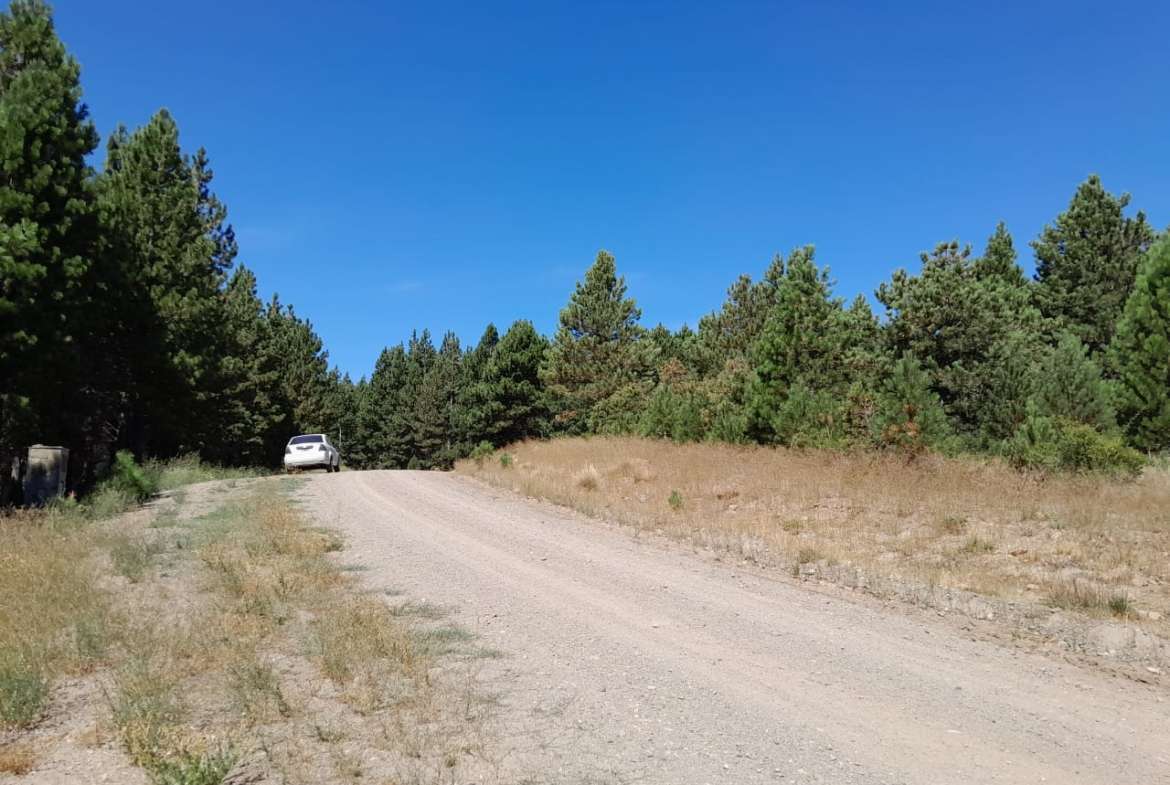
1053 444
481 452
809 418
506 460
672 415
675 501
131 479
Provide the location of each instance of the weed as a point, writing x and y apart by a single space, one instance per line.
589 478
506 460
192 768
420 610
108 501
1120 605
1077 594
24 689
256 689
977 545
440 641
17 759
953 524
359 633
675 500
132 556
809 556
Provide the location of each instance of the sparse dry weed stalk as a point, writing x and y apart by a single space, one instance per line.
958 524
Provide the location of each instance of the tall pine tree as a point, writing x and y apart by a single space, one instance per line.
597 369
47 223
1086 263
170 236
1141 352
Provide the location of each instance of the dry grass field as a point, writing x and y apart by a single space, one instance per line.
1090 547
217 633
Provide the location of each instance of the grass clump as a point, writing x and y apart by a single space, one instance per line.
977 545
675 500
589 478
1120 605
506 460
133 556
24 689
17 759
189 469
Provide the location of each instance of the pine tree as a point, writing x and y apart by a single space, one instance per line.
1086 263
1070 386
513 376
999 260
1141 352
170 235
951 318
1009 383
384 420
910 416
598 370
47 229
306 384
729 333
476 407
803 344
434 407
252 410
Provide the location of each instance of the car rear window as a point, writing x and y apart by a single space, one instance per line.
313 439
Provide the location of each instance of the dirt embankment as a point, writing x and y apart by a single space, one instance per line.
1078 565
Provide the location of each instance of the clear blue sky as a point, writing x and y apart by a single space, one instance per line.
391 166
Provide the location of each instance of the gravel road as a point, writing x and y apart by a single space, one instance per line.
631 660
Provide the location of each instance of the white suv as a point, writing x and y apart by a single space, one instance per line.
311 450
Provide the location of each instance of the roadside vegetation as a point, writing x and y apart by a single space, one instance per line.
1082 543
212 633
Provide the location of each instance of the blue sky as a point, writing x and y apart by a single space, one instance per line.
392 166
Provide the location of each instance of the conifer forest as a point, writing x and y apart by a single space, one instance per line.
129 322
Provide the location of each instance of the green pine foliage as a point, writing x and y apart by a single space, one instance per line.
597 370
49 282
1054 444
126 329
1141 352
909 416
952 316
1086 263
1070 386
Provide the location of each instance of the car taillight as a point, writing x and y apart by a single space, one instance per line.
321 448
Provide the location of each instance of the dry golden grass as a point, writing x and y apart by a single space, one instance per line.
17 759
54 615
220 640
1094 546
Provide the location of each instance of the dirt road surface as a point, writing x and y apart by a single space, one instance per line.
629 660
